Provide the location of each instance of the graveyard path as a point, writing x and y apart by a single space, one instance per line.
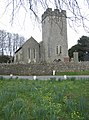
46 77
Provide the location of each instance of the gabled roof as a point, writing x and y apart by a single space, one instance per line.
30 39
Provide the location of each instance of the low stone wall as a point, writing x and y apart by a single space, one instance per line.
41 68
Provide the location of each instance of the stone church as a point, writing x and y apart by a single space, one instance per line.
53 47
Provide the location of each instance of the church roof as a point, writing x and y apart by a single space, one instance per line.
18 49
31 39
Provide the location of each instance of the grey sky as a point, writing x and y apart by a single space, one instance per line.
24 24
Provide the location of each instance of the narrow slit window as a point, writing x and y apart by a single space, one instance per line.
34 53
29 53
60 49
56 49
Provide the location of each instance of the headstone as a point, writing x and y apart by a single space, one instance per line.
75 57
54 72
65 77
86 56
34 77
11 75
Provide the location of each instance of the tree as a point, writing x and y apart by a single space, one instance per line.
9 43
74 7
4 59
17 42
82 47
2 41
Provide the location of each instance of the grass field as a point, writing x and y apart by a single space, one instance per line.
74 73
44 100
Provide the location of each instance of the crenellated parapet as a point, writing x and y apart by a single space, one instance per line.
56 12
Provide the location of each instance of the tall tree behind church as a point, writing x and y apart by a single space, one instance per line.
9 42
17 42
2 42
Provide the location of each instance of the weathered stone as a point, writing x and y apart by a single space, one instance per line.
53 47
41 68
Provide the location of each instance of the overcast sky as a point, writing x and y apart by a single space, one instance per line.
24 25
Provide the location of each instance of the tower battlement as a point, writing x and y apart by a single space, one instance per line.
56 12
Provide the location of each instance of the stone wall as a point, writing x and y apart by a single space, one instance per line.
42 68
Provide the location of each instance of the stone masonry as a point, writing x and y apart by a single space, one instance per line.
53 47
54 35
42 68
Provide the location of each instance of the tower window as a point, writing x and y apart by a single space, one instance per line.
60 50
57 50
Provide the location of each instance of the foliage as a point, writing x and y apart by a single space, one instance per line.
45 100
5 59
81 47
86 72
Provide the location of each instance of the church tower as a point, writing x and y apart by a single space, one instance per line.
54 35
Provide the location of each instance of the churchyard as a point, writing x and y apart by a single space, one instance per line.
44 100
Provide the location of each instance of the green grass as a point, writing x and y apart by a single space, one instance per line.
73 73
44 100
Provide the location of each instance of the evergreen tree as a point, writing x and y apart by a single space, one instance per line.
82 47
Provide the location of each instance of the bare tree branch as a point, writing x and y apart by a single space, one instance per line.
74 8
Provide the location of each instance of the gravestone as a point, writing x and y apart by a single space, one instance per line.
75 57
